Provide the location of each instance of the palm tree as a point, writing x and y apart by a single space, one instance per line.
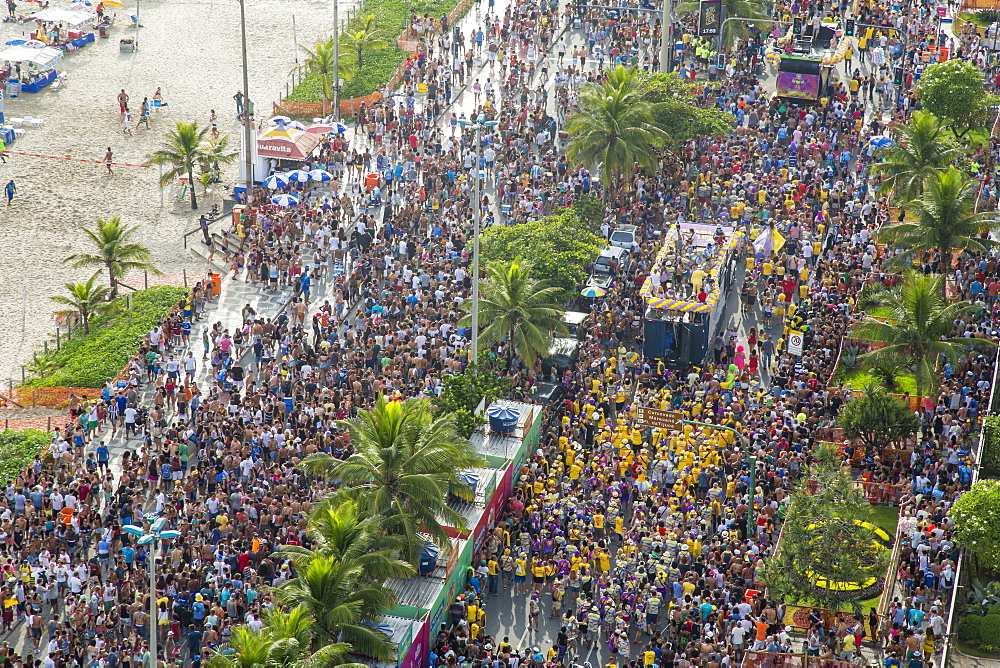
86 300
614 128
519 307
340 530
285 641
733 9
115 251
217 153
405 463
320 61
923 149
919 331
185 149
945 221
365 35
344 600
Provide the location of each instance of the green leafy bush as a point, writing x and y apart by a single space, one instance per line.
989 633
392 17
590 211
970 628
17 450
990 461
985 17
994 610
88 360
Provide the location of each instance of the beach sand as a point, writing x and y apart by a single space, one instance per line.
189 49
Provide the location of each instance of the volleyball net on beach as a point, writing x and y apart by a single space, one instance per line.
62 157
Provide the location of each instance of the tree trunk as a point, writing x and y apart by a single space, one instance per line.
194 197
86 322
114 283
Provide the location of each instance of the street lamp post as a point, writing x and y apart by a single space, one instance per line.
477 223
155 536
247 123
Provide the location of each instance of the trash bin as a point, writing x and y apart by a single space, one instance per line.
216 284
102 31
371 180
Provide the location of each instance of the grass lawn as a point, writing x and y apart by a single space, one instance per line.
860 379
884 517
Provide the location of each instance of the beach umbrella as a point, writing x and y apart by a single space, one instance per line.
320 129
592 291
298 175
320 175
285 200
112 3
282 132
879 141
339 128
275 120
295 125
276 181
14 42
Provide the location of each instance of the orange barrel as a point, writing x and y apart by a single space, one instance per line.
216 284
371 181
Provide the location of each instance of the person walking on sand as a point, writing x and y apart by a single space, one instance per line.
108 159
123 102
239 104
11 190
127 123
213 121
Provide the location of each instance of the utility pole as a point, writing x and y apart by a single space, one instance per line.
477 223
665 39
247 127
336 62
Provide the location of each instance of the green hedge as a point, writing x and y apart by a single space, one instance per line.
983 632
17 450
391 17
990 456
88 360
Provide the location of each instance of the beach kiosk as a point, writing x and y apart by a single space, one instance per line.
72 37
37 65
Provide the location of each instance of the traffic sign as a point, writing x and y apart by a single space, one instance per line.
795 342
942 12
660 419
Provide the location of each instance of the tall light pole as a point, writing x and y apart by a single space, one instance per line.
153 538
336 62
665 45
477 223
247 123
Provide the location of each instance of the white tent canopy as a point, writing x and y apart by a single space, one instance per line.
45 58
73 17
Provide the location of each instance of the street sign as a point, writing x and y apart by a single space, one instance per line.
942 12
795 342
660 419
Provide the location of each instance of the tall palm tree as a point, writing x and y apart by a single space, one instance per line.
365 34
287 640
519 307
945 221
115 250
320 61
344 601
340 530
732 9
85 300
923 149
404 466
614 129
919 331
185 149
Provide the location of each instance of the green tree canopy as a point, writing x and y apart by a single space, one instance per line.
559 247
462 392
829 555
920 331
518 308
877 419
614 129
955 90
675 110
975 516
114 249
923 149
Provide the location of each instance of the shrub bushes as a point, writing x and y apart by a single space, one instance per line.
17 450
392 17
990 461
88 360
